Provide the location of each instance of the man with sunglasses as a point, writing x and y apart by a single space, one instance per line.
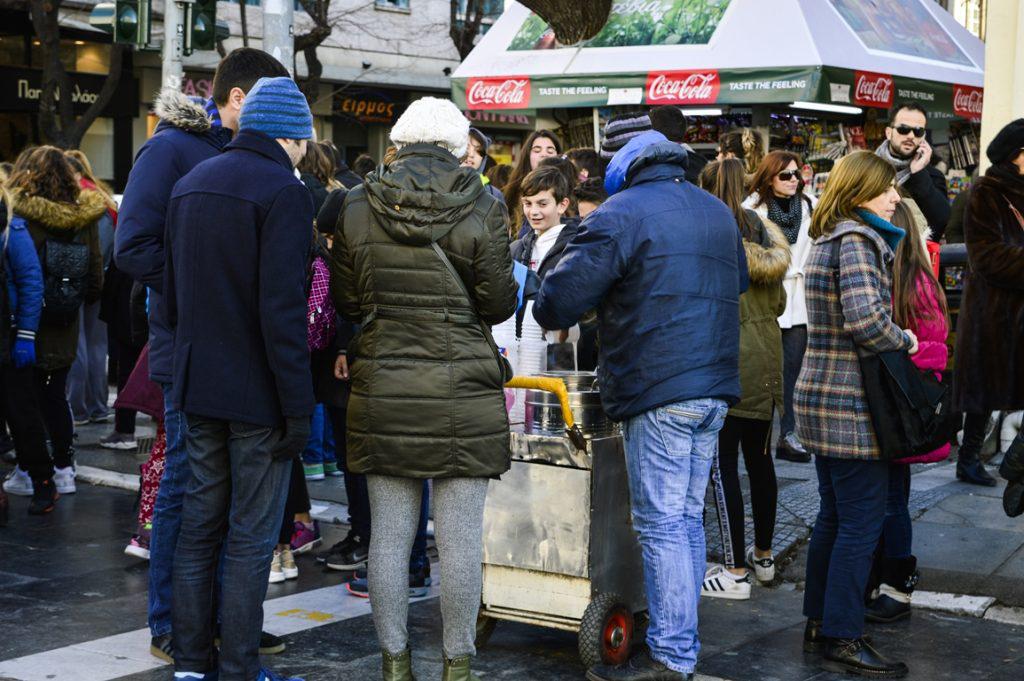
907 148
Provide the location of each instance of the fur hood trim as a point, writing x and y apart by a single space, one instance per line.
180 111
768 264
57 216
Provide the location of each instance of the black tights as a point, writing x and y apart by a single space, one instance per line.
754 437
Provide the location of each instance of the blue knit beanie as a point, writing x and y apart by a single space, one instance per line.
277 108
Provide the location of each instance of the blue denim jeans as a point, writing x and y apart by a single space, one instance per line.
897 529
234 501
669 451
843 542
167 519
320 447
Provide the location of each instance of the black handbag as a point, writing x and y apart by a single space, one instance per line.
911 411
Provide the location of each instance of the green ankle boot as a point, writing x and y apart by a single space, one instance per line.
397 667
458 670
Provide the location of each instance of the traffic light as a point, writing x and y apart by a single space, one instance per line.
200 26
132 22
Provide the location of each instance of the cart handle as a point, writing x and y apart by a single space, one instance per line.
556 386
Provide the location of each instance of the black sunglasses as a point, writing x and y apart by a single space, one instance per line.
906 130
787 175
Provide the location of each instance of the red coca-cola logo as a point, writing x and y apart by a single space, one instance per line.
967 101
683 87
873 89
498 93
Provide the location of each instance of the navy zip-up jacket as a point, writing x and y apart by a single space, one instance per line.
663 263
185 137
239 234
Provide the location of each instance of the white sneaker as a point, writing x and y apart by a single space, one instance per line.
764 568
64 480
18 483
720 583
288 566
276 573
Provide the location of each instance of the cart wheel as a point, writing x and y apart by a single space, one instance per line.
484 628
606 632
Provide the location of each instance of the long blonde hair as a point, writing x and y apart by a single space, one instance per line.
854 180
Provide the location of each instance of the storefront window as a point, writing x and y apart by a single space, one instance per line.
77 55
98 146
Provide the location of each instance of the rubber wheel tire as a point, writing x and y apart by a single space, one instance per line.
484 628
606 632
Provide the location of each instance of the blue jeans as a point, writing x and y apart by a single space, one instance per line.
234 501
897 529
843 542
320 447
87 382
167 519
794 343
669 451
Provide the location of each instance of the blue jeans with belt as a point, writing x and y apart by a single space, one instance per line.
853 495
669 451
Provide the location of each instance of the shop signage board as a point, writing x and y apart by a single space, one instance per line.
21 88
370 106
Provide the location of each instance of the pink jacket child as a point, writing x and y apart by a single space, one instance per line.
931 328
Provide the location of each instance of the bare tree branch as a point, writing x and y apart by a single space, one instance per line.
245 23
464 33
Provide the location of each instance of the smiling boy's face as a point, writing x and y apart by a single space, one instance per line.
543 211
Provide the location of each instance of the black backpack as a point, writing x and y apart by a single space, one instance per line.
65 274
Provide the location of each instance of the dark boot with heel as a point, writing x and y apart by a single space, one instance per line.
969 467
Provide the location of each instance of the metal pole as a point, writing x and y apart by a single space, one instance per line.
278 38
174 34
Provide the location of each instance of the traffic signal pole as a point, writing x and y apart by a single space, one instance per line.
278 37
173 36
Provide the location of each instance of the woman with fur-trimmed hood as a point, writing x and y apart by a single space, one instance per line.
749 423
62 220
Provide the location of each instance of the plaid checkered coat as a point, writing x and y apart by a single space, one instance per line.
845 310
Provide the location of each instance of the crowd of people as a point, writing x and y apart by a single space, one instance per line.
285 318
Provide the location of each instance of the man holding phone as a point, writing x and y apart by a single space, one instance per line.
906 147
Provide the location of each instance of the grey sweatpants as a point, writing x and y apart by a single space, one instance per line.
458 529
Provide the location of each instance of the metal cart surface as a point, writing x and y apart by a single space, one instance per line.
559 547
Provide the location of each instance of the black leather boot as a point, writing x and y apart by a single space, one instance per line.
969 467
856 656
814 640
1012 467
899 577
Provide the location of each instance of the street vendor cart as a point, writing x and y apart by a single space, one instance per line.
559 547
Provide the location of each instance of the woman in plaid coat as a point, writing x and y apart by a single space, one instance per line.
848 279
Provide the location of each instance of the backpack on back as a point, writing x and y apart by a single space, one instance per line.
65 274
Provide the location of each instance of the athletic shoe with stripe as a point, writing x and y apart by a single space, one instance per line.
720 583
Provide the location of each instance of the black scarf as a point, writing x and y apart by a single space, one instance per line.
788 218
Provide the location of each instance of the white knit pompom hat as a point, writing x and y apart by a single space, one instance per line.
433 121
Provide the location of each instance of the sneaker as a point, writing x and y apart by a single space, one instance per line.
288 566
640 667
313 471
348 554
64 479
18 483
789 448
271 644
720 583
80 420
118 440
138 546
764 568
101 418
44 497
162 647
305 538
419 583
331 469
276 570
267 675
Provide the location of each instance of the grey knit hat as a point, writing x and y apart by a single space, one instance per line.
620 129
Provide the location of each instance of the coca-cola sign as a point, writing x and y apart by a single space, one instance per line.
873 89
512 92
683 87
967 101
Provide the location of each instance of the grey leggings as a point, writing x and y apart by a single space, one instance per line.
458 523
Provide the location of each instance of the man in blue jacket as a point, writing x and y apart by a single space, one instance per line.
187 134
663 264
239 233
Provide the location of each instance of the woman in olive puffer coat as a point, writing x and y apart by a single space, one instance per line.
427 398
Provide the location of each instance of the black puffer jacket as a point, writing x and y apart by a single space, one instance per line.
427 398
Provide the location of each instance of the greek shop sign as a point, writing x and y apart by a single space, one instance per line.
22 89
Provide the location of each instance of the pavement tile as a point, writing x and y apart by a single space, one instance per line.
971 550
972 510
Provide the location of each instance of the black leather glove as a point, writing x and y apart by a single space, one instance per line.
293 439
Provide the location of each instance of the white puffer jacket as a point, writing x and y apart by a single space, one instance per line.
796 302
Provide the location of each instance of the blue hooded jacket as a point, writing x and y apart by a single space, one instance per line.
24 278
663 263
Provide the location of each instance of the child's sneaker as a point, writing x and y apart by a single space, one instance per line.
18 483
720 583
139 544
313 471
305 537
64 479
764 568
276 570
331 469
288 567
